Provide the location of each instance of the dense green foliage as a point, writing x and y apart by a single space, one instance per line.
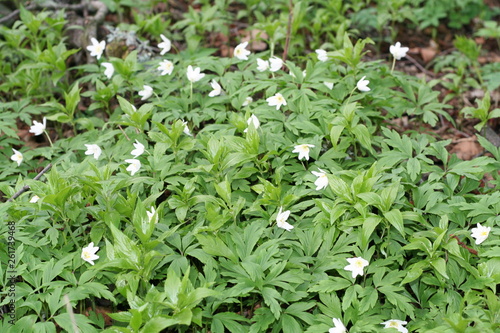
188 241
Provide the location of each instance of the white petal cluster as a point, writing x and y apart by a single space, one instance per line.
97 48
93 149
277 100
303 150
281 219
356 266
89 253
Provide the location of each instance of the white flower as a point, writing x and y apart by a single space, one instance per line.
281 219
217 89
151 214
328 84
93 150
356 266
139 149
397 51
322 181
252 120
247 101
97 48
165 45
194 75
322 55
275 64
17 157
303 150
277 100
38 128
146 92
109 69
166 67
186 128
134 166
88 253
363 84
34 199
241 52
480 233
262 65
338 326
397 324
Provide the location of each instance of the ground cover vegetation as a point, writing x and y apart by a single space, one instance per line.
250 166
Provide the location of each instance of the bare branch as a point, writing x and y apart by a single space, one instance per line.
27 187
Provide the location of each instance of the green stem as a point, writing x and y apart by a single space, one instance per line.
48 137
190 96
393 64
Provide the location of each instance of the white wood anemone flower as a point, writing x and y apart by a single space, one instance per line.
281 220
247 101
186 128
241 52
322 55
35 199
253 120
17 157
398 51
146 92
480 233
217 89
89 253
356 266
362 84
338 326
194 74
277 100
97 48
109 69
262 65
151 215
322 180
139 149
135 165
275 64
303 150
166 67
38 128
397 324
93 150
165 45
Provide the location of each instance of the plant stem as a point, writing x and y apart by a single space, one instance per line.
288 30
48 137
393 64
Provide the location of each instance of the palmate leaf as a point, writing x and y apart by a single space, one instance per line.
230 321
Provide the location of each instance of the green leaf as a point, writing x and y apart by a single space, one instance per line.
215 246
158 324
440 265
396 219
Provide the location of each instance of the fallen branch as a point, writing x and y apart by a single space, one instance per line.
27 187
462 244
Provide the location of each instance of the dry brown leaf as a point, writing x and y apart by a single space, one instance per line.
256 39
467 149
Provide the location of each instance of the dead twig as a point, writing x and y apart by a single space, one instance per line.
462 244
417 64
288 31
27 187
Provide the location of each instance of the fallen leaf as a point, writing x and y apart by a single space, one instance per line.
256 39
467 149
